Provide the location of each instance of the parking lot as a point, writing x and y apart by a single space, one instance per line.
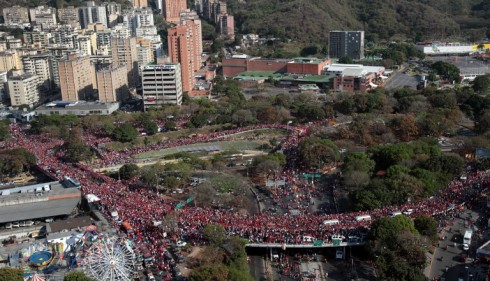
466 65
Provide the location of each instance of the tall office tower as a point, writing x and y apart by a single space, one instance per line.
172 9
45 17
346 44
140 3
23 90
161 85
15 15
185 47
39 65
92 14
124 52
112 83
69 15
113 11
76 78
10 60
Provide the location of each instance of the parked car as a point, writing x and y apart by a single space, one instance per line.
8 226
181 243
29 223
16 224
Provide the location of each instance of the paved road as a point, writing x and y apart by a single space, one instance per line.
446 255
400 80
257 267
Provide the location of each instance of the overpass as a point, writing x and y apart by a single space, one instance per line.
304 246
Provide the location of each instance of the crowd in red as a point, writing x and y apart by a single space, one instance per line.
141 208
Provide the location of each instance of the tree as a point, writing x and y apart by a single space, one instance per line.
151 127
315 152
129 171
347 60
447 71
215 234
481 84
451 164
76 149
76 276
125 133
11 274
426 225
213 272
406 127
170 126
243 117
4 130
483 124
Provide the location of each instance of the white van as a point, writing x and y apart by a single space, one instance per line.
408 212
363 218
330 222
394 214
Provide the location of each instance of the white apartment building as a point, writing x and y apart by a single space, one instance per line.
161 85
92 14
135 18
42 16
39 65
85 45
23 90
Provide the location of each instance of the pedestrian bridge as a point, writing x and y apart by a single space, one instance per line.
304 246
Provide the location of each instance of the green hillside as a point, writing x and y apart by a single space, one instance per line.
309 21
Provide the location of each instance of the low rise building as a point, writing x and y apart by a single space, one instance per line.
24 90
15 15
79 108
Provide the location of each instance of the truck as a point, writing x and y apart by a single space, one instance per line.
127 227
467 239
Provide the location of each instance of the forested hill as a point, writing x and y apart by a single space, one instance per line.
311 20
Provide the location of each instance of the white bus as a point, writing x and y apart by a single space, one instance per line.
330 222
363 218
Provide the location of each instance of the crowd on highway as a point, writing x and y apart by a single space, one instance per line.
142 207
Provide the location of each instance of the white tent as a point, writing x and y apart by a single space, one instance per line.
92 198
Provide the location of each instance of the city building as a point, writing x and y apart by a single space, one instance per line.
39 65
161 85
23 90
159 4
242 63
145 52
113 11
226 25
188 14
13 43
185 47
42 16
36 39
140 3
76 75
112 83
103 40
354 77
124 52
172 9
65 36
92 14
15 15
449 48
120 30
79 108
85 45
134 18
346 44
37 201
69 15
3 87
10 60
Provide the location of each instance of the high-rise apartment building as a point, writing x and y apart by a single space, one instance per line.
23 90
145 52
140 3
85 45
39 65
92 14
134 18
114 11
10 60
3 87
36 39
76 78
15 15
69 15
42 16
161 85
65 36
124 52
226 24
185 47
112 83
172 9
346 44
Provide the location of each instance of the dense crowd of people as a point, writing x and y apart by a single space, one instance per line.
142 207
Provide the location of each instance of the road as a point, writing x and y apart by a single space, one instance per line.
257 267
400 80
447 254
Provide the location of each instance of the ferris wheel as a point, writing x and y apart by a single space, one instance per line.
109 259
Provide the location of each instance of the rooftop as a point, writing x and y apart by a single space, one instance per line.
79 105
22 77
68 224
